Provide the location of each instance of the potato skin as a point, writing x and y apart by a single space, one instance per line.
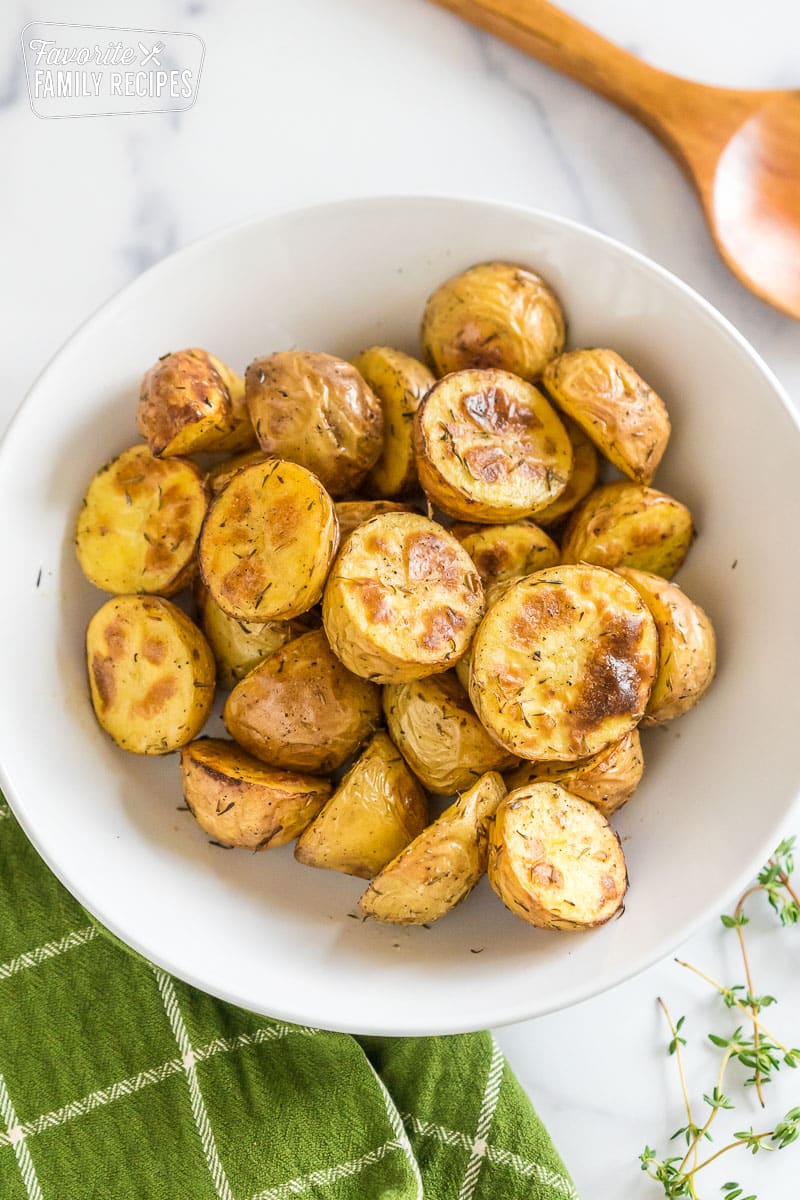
239 801
301 710
563 663
376 810
554 860
490 448
219 476
352 513
403 599
582 479
191 401
614 406
442 865
268 542
238 646
151 674
626 525
435 728
316 410
399 381
495 314
687 657
607 780
503 552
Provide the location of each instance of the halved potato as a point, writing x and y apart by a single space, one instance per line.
219 476
583 478
403 599
376 810
443 863
151 674
554 860
507 551
190 401
139 524
495 314
301 710
434 726
489 447
563 663
316 410
622 414
239 801
687 655
268 542
399 381
626 525
238 646
607 780
352 513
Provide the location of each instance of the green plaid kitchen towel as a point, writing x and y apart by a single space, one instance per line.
118 1082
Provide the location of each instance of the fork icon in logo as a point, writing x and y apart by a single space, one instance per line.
150 56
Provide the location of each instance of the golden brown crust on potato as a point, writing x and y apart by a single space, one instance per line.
399 381
376 810
495 314
268 542
316 410
301 709
489 447
238 646
219 476
443 863
583 476
508 551
563 663
626 525
239 801
352 513
139 524
151 674
191 401
607 780
402 600
554 860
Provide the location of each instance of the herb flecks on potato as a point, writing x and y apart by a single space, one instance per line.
628 525
191 401
399 381
352 513
607 780
502 552
582 479
238 646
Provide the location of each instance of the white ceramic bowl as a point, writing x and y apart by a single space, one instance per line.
260 930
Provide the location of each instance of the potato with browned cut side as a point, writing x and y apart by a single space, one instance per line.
151 674
352 513
399 381
442 865
626 525
376 810
403 599
239 801
554 860
238 646
607 780
503 552
138 527
191 401
583 477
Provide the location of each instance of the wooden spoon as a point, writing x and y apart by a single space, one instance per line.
741 149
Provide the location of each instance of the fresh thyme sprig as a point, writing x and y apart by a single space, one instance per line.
759 1052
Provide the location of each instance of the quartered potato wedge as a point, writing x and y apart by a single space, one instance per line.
268 542
352 513
376 810
443 863
399 381
403 599
626 525
582 479
503 552
563 663
238 646
490 447
554 860
151 674
190 401
607 780
139 524
239 801
495 314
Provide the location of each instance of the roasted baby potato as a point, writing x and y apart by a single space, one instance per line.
507 551
607 780
239 801
489 447
434 726
687 648
563 663
316 410
625 525
403 599
301 710
495 314
399 381
151 674
376 810
554 860
581 481
139 524
219 476
622 414
268 542
443 863
191 401
238 646
352 513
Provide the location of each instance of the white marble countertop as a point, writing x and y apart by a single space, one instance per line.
324 98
